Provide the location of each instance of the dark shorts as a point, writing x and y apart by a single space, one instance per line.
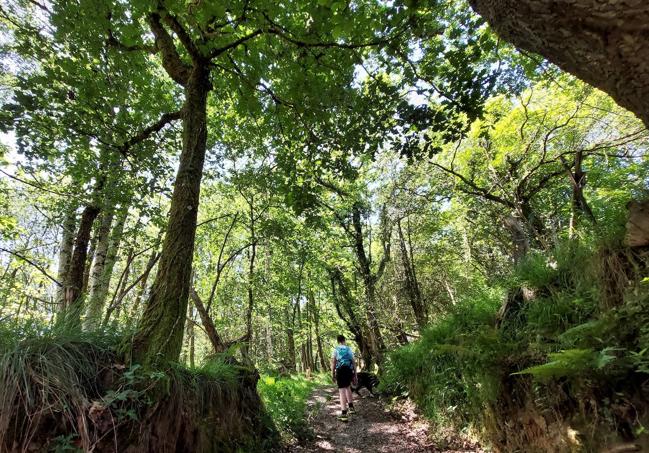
344 376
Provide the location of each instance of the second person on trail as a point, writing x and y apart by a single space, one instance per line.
343 369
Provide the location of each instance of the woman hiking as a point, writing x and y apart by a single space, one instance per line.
343 370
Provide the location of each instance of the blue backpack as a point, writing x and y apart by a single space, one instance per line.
344 356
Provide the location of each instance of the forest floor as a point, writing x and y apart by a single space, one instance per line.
379 426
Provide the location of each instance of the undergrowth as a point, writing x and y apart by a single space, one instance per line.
568 354
70 391
286 398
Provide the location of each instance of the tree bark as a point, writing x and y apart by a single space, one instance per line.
369 282
289 316
344 307
65 254
105 258
210 329
143 284
411 285
71 313
101 250
580 206
159 333
603 42
316 326
90 257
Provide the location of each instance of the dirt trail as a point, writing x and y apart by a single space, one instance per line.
374 428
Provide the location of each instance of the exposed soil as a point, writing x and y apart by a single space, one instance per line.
377 427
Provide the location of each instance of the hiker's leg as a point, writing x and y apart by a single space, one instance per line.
343 399
350 398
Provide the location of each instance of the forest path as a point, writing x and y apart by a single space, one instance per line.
374 428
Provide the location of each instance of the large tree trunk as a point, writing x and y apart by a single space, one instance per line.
159 334
603 42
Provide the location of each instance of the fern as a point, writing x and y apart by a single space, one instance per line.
572 362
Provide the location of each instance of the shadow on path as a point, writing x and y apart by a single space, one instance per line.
372 429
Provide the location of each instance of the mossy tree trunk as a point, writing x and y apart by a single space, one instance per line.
370 279
160 330
344 304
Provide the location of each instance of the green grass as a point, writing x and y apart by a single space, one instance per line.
52 378
286 398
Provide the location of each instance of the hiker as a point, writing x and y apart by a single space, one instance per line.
343 370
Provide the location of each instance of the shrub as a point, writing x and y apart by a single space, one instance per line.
564 358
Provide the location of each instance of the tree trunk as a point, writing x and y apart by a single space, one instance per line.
411 285
122 289
208 324
101 250
90 257
189 334
290 336
103 275
153 258
246 349
159 333
65 254
344 307
605 43
316 326
520 237
580 206
73 300
376 342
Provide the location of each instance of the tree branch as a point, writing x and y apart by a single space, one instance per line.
165 119
477 190
171 61
183 36
233 44
32 263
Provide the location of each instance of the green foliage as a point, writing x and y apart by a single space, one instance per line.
562 337
286 401
454 368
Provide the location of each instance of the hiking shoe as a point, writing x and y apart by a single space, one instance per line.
352 410
343 418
